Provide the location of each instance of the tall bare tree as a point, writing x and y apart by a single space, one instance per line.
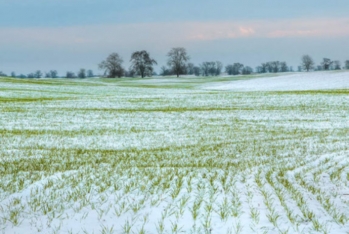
142 63
112 66
177 58
307 63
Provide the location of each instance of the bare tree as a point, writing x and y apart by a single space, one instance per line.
307 63
247 70
90 73
346 66
70 75
165 71
82 73
326 64
196 70
283 67
234 69
112 66
54 73
211 68
219 67
142 63
190 68
205 68
38 74
337 65
177 58
13 74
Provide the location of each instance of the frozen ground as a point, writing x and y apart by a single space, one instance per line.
148 156
299 81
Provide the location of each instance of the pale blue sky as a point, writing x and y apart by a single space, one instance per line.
71 34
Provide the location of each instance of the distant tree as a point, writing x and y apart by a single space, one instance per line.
275 66
13 74
112 66
22 76
130 73
336 65
283 67
38 74
142 63
196 70
2 74
269 67
31 75
247 70
307 63
205 68
190 68
326 64
165 71
346 66
90 73
291 69
177 58
70 75
264 68
82 73
53 74
219 67
211 68
47 75
234 69
299 68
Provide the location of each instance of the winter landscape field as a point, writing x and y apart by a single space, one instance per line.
244 154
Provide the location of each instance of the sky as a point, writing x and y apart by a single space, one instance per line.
67 35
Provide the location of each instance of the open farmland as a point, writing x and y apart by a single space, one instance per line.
168 155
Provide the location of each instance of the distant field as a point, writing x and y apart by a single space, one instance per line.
168 155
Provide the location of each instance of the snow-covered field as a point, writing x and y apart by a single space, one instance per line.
131 156
299 81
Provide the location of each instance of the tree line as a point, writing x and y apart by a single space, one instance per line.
178 64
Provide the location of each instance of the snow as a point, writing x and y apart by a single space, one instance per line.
82 157
300 81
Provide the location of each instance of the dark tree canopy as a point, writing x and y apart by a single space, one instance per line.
142 64
112 66
307 63
177 58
